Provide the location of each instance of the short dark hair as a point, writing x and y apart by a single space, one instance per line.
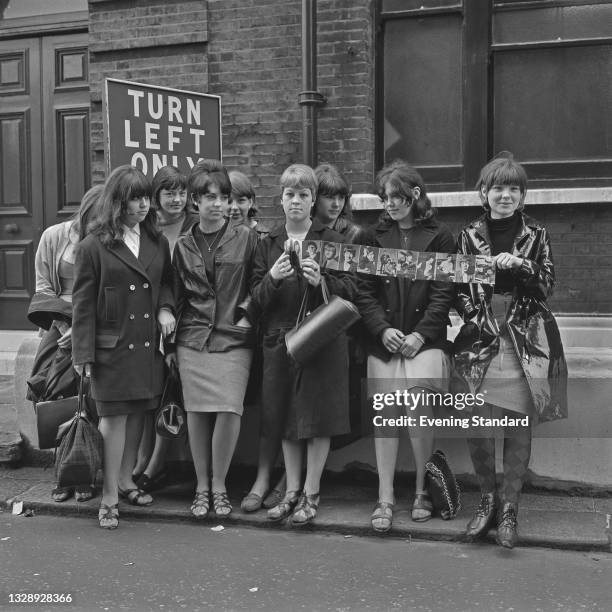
242 188
167 177
205 173
502 170
332 182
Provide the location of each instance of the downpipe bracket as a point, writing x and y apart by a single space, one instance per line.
311 98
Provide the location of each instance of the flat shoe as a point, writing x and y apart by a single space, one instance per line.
136 497
221 503
84 494
382 517
61 494
251 502
285 507
201 504
151 483
422 507
108 516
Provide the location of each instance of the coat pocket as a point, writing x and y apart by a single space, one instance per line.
106 341
110 302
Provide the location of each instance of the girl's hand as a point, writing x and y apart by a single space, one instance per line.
282 268
392 339
166 321
312 272
65 341
171 360
507 261
411 346
83 370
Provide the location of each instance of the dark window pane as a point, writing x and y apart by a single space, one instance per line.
554 104
422 75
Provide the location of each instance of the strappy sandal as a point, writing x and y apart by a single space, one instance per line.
84 493
306 510
136 497
285 507
108 516
422 508
221 503
382 517
201 504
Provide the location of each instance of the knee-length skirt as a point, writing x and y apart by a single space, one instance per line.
214 382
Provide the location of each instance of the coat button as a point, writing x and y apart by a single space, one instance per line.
387 282
132 317
131 347
147 344
132 287
146 315
145 285
210 326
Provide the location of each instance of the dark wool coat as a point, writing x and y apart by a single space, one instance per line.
408 305
531 325
116 299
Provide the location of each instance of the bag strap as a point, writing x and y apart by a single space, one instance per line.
302 311
81 397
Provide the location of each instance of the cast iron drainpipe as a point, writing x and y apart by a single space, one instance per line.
310 98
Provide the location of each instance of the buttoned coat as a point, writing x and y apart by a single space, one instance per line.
408 305
116 299
531 325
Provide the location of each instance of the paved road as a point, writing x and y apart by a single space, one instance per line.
182 566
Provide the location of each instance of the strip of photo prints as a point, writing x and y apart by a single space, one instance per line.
413 265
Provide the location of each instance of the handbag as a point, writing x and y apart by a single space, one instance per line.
171 419
442 486
314 331
473 349
81 449
50 415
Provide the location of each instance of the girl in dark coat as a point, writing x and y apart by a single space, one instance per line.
525 344
406 322
122 292
305 406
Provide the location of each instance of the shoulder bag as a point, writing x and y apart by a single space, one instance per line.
442 486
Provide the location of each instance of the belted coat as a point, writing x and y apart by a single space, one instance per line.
530 322
116 299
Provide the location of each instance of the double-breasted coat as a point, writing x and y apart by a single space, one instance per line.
116 299
530 323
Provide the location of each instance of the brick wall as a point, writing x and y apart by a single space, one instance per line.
249 53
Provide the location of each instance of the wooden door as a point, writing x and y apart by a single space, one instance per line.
44 154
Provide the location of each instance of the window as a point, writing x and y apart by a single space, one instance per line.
463 80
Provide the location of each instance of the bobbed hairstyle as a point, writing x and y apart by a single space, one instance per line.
205 173
87 210
167 177
401 178
242 188
502 170
299 176
331 182
124 183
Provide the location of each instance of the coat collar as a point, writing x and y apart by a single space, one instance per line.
389 236
147 253
315 232
480 229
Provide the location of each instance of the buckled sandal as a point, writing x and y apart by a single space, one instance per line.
422 507
201 504
285 507
382 517
221 503
136 497
306 510
108 516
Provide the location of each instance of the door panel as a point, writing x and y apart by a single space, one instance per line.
21 185
44 154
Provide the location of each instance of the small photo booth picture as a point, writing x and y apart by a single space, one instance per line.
387 262
330 256
368 261
349 256
426 266
311 249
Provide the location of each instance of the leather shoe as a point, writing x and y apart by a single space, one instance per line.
251 502
483 518
507 535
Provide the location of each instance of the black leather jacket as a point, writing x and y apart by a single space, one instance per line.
207 314
531 325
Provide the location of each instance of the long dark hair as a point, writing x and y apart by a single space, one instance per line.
125 183
87 211
403 178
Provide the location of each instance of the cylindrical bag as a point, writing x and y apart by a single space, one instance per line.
314 331
442 486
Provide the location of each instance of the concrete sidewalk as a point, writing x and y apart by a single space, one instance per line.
554 521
